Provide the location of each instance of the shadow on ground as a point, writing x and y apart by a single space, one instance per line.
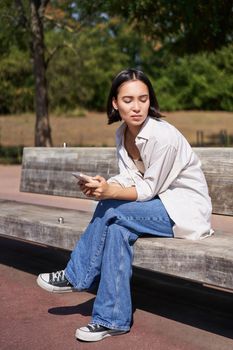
172 298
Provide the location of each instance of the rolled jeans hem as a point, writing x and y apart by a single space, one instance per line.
69 278
97 320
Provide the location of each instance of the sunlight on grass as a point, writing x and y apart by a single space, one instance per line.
91 129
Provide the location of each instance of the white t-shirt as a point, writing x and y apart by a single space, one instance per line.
172 171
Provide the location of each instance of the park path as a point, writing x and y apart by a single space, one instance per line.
31 318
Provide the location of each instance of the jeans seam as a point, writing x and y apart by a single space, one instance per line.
121 267
114 311
92 262
139 218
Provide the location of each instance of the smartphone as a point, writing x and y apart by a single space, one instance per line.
82 177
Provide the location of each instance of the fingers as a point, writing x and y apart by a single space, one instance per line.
99 178
81 185
98 181
95 188
93 184
85 190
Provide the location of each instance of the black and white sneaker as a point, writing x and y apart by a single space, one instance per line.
96 332
55 282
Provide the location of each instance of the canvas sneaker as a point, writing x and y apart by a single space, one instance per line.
96 332
55 282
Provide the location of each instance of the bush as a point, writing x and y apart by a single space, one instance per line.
16 83
202 81
11 154
80 74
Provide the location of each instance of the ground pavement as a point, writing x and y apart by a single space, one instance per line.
168 315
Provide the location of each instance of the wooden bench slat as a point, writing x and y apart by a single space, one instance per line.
48 171
207 261
217 164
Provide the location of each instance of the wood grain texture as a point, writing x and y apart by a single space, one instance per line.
207 261
48 171
217 164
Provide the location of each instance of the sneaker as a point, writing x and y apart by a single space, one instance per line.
96 332
55 282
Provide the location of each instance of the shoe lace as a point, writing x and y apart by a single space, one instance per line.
94 326
58 276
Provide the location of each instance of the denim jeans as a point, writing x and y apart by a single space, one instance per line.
105 252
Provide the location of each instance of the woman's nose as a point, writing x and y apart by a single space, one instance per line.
136 106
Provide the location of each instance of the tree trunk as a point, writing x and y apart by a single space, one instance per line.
43 136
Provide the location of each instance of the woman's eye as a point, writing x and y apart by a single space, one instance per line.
143 99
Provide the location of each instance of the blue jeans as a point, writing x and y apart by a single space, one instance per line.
105 251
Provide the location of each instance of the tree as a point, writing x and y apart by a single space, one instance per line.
82 71
42 127
31 19
23 23
23 31
78 46
184 26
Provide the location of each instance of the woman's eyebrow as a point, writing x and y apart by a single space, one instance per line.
128 96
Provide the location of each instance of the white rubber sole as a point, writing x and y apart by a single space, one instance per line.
96 336
53 289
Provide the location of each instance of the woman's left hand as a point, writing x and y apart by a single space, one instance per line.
99 189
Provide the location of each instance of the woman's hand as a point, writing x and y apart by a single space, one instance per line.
99 189
84 189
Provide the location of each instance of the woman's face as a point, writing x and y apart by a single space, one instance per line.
133 102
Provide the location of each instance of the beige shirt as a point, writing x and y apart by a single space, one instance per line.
172 171
139 165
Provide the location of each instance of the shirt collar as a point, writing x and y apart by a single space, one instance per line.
144 133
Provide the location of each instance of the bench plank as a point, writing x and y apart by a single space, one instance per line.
217 164
48 171
207 261
40 224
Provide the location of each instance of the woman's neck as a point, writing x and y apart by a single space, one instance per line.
133 131
129 143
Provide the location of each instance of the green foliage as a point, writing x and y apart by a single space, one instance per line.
11 154
92 43
81 72
202 81
183 26
16 82
13 26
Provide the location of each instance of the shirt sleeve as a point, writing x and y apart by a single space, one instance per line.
124 178
160 165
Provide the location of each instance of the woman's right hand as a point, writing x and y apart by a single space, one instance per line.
84 189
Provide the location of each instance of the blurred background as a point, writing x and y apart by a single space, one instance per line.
58 58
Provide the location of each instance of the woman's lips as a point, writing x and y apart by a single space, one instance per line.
136 116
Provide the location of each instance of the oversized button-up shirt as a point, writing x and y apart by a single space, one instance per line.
172 171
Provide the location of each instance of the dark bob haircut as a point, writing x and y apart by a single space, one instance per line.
122 77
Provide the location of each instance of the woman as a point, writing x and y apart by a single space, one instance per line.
160 190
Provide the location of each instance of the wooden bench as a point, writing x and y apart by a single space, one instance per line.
48 171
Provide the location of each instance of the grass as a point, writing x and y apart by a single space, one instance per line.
92 129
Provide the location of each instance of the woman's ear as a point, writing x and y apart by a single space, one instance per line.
114 103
